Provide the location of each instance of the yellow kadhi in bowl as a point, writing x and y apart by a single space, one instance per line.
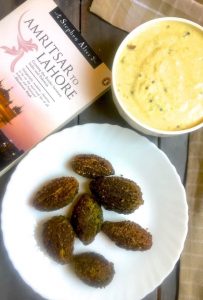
157 77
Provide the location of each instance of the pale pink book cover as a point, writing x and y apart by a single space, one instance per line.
46 78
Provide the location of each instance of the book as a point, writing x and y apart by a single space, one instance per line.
48 75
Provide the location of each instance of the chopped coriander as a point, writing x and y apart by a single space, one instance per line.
131 46
186 33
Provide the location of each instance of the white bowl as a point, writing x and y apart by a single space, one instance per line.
124 112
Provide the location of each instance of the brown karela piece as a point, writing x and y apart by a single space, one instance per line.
93 269
86 218
56 194
117 193
91 165
128 235
58 239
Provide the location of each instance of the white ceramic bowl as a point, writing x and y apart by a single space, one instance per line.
126 114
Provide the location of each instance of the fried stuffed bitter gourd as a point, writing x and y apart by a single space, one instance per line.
56 194
93 269
116 193
86 218
128 235
58 239
91 165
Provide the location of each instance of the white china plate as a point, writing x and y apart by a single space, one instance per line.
164 213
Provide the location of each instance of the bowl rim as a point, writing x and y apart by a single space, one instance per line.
117 99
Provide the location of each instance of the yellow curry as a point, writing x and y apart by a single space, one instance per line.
159 76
